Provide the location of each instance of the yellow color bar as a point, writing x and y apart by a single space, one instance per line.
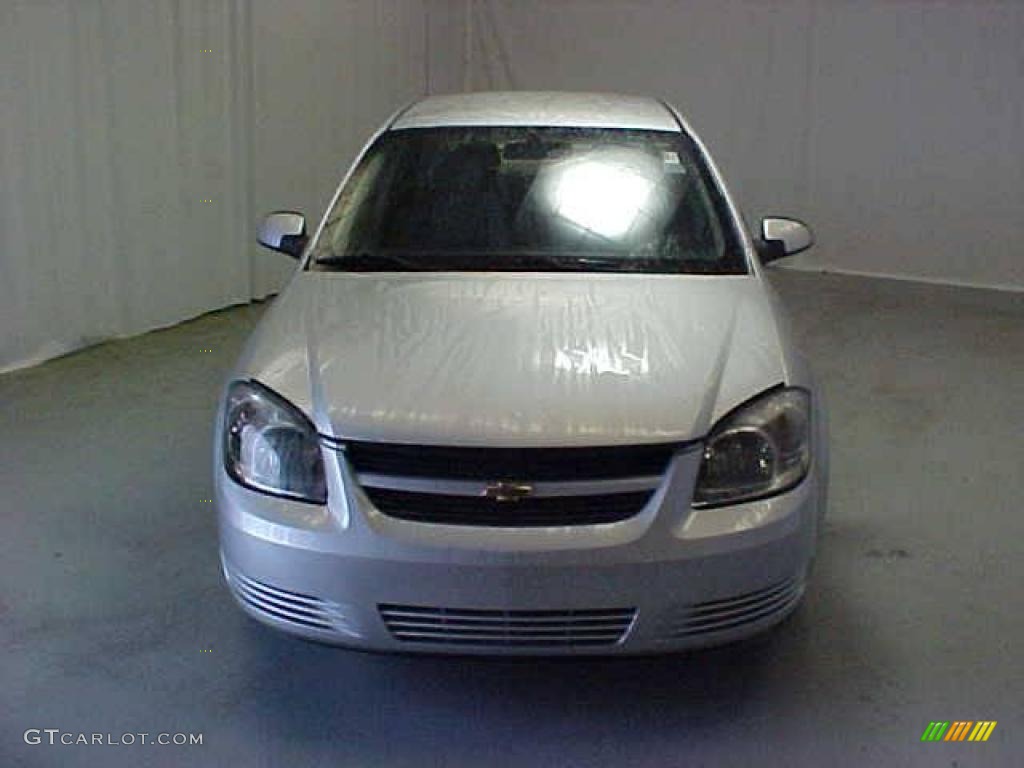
983 730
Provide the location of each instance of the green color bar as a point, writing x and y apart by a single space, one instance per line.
935 731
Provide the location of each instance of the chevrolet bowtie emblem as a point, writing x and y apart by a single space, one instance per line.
507 491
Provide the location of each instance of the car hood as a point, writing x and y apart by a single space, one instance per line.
517 359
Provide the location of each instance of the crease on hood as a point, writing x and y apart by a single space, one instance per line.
704 420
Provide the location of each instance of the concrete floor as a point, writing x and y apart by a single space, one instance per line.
110 588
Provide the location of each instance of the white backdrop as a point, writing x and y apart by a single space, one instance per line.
895 127
121 118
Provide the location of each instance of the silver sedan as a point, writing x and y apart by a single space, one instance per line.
528 391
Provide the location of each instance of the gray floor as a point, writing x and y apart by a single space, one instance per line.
110 589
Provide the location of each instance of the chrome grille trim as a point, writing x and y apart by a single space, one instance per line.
487 464
446 487
283 605
507 628
734 612
257 599
297 610
267 592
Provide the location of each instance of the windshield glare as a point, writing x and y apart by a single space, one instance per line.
534 199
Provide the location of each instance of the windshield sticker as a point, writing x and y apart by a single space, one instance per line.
671 162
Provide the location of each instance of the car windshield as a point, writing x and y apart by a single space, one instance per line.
530 199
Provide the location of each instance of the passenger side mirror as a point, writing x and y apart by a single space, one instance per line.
284 231
782 237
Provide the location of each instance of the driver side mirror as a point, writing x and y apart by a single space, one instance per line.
782 237
284 231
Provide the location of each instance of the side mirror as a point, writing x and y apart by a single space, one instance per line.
284 231
782 237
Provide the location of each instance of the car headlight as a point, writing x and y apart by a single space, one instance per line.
760 449
270 445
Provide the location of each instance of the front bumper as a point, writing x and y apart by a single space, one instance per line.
667 579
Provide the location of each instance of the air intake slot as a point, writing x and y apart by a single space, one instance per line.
507 628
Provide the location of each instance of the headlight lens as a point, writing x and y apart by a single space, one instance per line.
760 449
270 445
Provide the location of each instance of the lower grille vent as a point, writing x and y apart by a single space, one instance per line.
529 629
293 607
735 612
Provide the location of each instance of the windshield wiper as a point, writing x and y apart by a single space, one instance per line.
654 265
427 261
369 261
515 261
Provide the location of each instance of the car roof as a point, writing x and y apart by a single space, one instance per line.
539 108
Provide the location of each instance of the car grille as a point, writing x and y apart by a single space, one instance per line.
526 513
455 485
512 628
735 612
533 464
